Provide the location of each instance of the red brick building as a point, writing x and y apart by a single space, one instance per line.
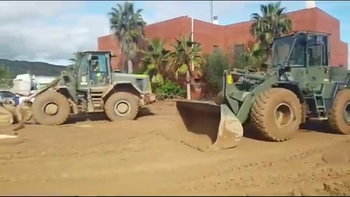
235 36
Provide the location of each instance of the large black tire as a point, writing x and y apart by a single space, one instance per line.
51 97
338 119
128 100
273 104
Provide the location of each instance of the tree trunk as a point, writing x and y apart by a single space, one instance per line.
122 58
130 66
123 62
188 84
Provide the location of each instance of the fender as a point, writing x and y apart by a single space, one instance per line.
123 85
339 86
292 86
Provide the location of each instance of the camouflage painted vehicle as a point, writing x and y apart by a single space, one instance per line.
92 87
300 85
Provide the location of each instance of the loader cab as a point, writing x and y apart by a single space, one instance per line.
302 49
306 56
93 70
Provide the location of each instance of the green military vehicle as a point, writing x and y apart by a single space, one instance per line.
92 87
300 85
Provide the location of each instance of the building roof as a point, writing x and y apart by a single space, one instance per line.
243 22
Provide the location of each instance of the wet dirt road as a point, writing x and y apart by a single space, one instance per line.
146 157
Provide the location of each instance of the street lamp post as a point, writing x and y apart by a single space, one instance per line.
188 77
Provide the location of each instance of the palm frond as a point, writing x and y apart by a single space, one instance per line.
127 25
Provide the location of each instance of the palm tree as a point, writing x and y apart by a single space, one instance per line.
127 25
186 53
253 58
270 24
154 60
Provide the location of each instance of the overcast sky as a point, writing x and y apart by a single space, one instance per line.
53 31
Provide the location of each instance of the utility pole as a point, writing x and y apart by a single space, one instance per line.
211 12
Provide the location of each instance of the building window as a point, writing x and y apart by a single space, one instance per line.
239 50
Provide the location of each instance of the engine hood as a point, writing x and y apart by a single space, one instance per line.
140 81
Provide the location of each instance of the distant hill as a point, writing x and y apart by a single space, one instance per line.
35 68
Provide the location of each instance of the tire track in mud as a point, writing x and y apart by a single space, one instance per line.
66 151
205 160
184 169
268 184
131 147
263 174
204 171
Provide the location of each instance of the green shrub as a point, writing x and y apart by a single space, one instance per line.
169 90
214 68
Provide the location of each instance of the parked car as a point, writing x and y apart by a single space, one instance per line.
9 97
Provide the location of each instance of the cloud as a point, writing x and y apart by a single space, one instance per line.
48 31
52 31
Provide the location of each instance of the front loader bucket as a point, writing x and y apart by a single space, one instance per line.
209 126
6 117
6 121
10 114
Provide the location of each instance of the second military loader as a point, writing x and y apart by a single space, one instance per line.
300 85
91 87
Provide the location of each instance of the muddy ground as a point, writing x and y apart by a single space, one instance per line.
146 157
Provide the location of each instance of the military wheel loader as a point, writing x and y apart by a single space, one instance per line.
299 85
91 87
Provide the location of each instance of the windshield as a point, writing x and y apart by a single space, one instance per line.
281 49
79 60
78 63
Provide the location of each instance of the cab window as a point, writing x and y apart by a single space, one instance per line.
298 56
315 55
318 50
99 63
83 65
99 69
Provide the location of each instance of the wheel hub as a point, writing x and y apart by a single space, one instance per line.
283 115
347 112
51 109
122 108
